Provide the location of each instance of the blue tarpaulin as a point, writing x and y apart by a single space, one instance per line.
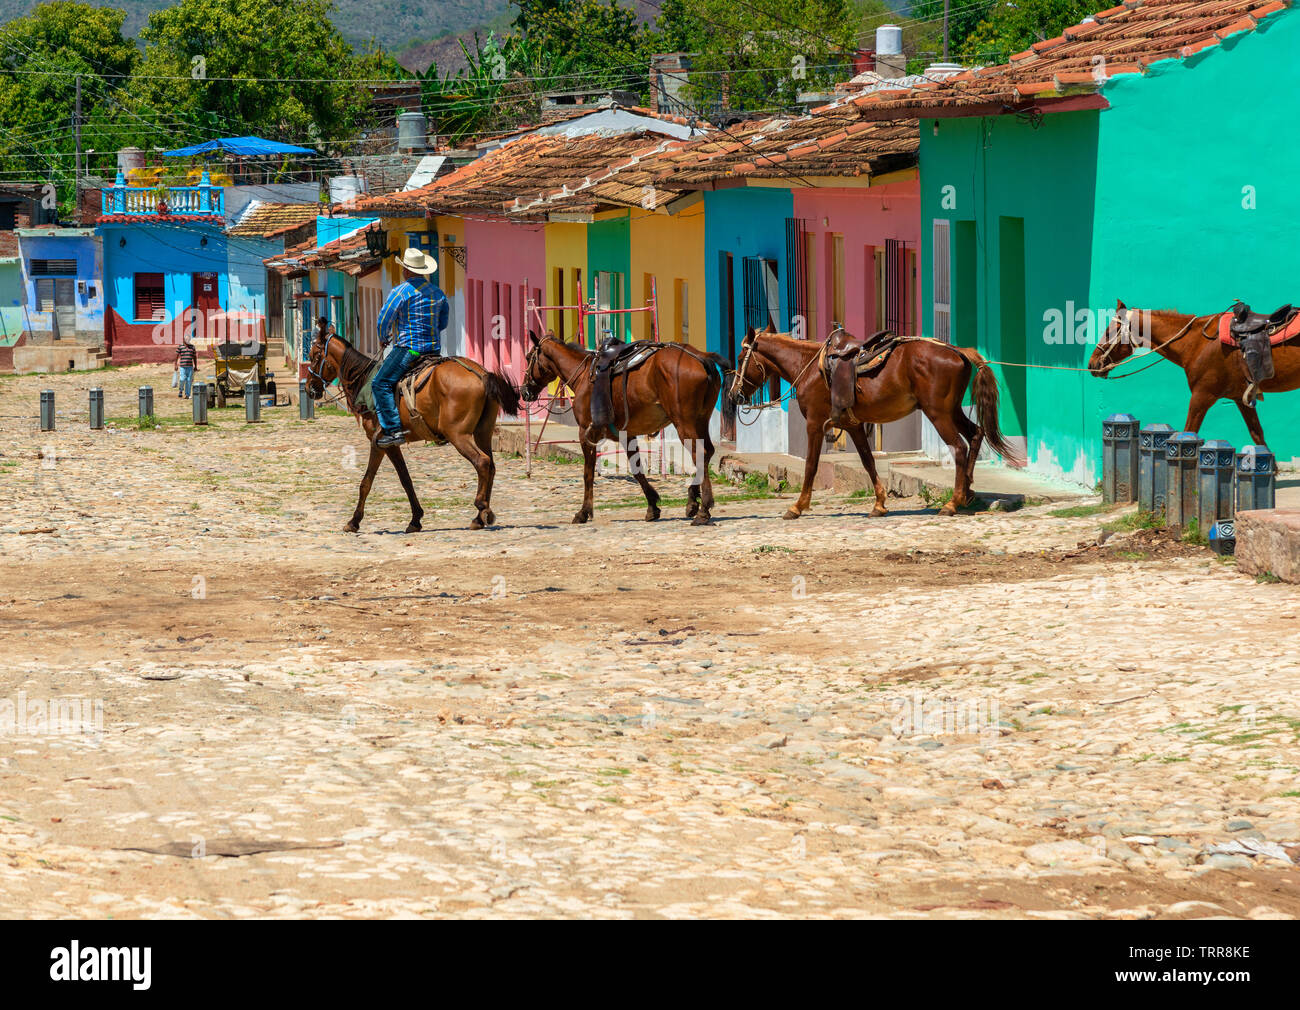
248 146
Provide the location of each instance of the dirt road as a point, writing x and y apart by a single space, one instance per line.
909 716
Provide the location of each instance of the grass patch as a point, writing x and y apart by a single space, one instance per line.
1079 511
772 549
1267 578
1192 534
1139 520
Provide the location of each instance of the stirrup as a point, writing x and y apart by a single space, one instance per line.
1251 394
385 439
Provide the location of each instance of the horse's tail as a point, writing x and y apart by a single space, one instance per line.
984 391
505 392
723 364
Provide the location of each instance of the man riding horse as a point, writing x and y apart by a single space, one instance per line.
418 308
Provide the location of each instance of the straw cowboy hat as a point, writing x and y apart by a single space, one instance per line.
418 263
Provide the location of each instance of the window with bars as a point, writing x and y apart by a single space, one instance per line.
796 278
942 295
150 300
53 268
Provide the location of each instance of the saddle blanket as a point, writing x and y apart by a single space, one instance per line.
1285 333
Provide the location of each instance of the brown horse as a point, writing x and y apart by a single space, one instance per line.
923 374
677 385
458 404
1215 371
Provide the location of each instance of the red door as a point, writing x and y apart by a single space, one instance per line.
206 299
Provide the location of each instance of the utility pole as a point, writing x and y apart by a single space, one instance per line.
945 31
77 163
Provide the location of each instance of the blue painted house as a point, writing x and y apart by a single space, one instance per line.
62 299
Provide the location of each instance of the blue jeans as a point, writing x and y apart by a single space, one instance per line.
187 379
394 367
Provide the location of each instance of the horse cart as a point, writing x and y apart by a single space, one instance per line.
237 364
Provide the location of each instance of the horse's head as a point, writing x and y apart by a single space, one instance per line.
1116 343
321 370
540 370
750 372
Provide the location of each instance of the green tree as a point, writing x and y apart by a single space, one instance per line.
270 67
964 16
605 40
1015 25
759 54
43 53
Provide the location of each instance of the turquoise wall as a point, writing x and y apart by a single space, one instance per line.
1172 212
743 222
173 250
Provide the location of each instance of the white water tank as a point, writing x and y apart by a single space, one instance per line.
890 61
412 131
129 158
345 188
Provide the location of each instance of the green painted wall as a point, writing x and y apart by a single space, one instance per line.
609 249
11 301
1145 201
1019 201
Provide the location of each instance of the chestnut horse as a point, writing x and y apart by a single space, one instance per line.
925 374
1215 371
677 385
458 404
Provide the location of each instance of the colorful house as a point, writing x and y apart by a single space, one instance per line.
175 261
809 223
1078 174
62 297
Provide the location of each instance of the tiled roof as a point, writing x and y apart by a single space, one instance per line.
836 141
1128 38
511 179
581 111
268 220
347 254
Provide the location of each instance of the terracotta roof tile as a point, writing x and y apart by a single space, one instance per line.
1129 38
268 220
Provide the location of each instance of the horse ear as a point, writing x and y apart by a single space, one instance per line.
749 333
1120 305
533 337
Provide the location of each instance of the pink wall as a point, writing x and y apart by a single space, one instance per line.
865 216
500 257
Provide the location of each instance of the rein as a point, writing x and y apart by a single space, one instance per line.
744 366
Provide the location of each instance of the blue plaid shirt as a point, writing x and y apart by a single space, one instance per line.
420 310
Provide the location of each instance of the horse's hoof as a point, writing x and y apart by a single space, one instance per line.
948 510
413 527
692 510
490 517
791 514
351 528
652 513
703 519
580 518
877 512
477 524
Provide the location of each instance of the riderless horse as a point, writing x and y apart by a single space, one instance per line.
884 384
674 384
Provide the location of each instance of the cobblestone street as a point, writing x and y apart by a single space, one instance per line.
991 715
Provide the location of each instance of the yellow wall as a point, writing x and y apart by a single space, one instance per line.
670 248
397 227
566 249
452 275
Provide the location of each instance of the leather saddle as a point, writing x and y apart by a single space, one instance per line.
614 357
1254 332
412 382
844 358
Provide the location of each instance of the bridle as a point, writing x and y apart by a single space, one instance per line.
738 383
1124 335
530 365
319 376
